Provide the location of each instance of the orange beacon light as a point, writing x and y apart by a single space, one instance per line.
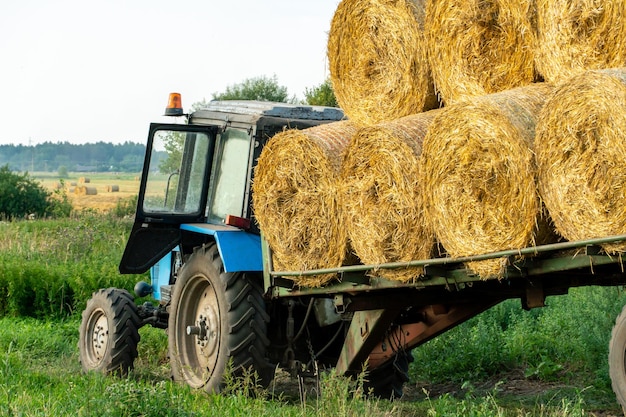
174 105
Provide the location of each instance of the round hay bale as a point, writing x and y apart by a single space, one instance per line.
381 196
581 156
377 60
83 190
113 188
479 47
84 180
295 199
479 175
579 35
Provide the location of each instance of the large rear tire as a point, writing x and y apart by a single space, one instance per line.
387 381
216 319
617 359
109 332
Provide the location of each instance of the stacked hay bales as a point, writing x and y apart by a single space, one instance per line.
579 35
382 202
581 156
377 60
479 47
479 173
295 198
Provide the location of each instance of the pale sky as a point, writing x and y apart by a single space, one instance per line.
84 71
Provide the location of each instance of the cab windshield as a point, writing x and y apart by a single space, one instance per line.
177 172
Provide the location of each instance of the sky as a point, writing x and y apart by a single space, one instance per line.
86 71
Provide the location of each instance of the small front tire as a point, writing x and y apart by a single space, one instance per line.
109 332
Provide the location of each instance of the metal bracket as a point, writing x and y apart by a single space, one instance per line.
367 329
535 296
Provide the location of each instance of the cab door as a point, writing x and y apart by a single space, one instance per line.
173 191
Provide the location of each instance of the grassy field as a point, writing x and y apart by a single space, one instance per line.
505 362
104 199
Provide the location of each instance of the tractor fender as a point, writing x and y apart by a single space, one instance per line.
240 251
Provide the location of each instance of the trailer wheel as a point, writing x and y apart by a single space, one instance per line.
217 319
617 359
387 381
109 332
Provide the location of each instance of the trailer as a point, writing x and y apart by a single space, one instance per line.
225 307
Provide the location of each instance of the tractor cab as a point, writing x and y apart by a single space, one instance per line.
197 177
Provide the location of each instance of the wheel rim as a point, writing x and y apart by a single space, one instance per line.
98 333
198 331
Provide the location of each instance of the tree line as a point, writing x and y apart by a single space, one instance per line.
128 157
64 156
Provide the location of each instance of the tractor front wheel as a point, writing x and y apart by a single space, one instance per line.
109 332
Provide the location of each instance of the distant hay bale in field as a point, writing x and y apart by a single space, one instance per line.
83 190
581 156
84 180
73 184
383 205
295 199
578 36
479 47
113 188
479 173
377 60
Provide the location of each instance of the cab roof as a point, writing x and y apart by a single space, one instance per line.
254 110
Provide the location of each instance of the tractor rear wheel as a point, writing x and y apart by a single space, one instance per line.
109 332
617 359
217 319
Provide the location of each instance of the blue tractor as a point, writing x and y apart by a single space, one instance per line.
195 231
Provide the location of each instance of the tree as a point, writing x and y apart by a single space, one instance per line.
259 88
20 195
322 95
173 143
62 171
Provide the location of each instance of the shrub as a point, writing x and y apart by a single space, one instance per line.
21 196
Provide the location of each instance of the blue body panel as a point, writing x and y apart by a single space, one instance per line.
240 251
160 274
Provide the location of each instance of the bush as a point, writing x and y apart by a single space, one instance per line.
21 196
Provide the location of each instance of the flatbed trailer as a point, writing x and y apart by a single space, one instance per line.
447 294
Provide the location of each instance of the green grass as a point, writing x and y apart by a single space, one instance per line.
50 268
40 375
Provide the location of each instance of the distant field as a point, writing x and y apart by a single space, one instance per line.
102 184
